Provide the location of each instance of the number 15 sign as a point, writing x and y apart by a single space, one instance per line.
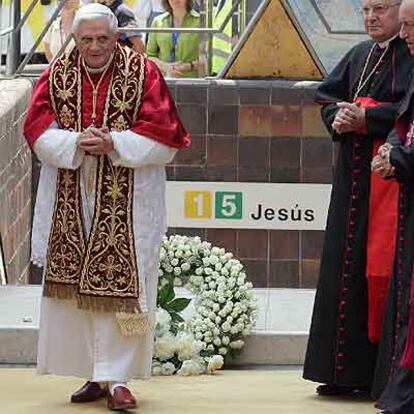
247 205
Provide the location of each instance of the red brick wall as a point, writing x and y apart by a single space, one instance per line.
256 131
15 180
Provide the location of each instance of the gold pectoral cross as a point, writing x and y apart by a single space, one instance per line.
94 100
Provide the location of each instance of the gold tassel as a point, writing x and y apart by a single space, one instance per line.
133 324
106 303
59 290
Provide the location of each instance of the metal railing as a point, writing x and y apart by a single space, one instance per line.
206 31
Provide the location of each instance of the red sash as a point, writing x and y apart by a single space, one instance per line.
382 231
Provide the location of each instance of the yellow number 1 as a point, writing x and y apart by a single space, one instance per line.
198 204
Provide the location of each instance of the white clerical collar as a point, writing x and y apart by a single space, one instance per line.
386 43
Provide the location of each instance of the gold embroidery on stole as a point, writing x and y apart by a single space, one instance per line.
101 273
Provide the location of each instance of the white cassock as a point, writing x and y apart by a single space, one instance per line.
88 344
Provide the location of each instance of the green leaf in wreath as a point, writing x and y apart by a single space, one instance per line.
177 318
166 294
178 305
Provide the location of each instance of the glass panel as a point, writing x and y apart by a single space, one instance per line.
329 32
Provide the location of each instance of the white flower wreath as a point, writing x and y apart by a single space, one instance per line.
225 309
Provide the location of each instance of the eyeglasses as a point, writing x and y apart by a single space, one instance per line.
378 9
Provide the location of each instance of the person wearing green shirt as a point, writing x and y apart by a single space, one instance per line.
176 54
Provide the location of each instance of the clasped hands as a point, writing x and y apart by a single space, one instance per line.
381 162
350 117
96 141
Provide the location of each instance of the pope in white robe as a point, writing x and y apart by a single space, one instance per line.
103 124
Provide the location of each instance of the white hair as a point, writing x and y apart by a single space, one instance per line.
94 11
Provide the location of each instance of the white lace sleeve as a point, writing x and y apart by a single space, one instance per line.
135 151
57 147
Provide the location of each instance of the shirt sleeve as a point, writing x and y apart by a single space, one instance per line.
57 147
133 150
143 12
48 36
152 46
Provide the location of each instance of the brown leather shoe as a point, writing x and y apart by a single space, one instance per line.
91 391
121 400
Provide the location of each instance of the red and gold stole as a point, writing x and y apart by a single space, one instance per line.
100 271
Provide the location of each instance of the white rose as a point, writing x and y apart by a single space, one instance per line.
222 313
214 260
212 285
217 341
225 327
199 271
222 287
215 363
222 351
191 367
218 320
215 250
208 270
237 344
225 340
185 267
206 261
163 253
179 253
167 369
218 266
215 274
224 272
187 346
164 346
156 369
178 282
196 280
210 347
177 271
162 322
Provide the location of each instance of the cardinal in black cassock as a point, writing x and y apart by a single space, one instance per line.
360 101
394 377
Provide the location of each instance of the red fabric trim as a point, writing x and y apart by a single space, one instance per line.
157 117
382 233
40 114
377 295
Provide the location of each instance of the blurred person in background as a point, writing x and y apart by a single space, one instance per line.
60 29
176 54
126 18
146 10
